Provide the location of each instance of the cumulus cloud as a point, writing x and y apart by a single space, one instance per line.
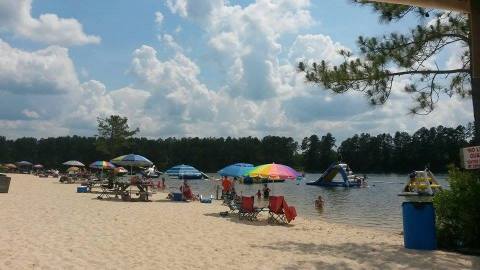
261 94
158 18
170 42
246 39
30 114
46 71
316 48
15 17
177 94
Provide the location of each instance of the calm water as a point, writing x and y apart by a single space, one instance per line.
374 206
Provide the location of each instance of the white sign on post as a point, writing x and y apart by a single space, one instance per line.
470 157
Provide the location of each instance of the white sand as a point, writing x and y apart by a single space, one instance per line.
47 225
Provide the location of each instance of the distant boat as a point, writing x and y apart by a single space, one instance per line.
421 183
348 179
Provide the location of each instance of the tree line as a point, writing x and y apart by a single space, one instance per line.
401 152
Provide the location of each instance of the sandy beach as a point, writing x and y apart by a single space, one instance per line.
47 225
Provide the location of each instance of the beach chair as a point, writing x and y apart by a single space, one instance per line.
247 210
279 212
105 192
233 205
290 212
275 210
227 198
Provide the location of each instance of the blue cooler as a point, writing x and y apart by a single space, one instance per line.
82 189
419 225
206 199
177 197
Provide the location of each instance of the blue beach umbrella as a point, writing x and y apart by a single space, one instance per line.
131 160
184 171
236 170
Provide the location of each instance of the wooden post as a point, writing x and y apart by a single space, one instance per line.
475 63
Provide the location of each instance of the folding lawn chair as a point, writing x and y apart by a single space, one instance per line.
247 210
233 206
275 210
279 212
105 193
290 212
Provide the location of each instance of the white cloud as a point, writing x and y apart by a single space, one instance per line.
30 114
176 91
316 48
262 93
15 17
170 42
246 39
45 71
159 18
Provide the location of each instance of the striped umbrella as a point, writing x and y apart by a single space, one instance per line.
101 164
273 172
74 163
24 163
184 171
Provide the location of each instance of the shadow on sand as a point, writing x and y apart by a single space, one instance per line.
233 217
371 256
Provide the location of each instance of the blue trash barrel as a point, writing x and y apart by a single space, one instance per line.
419 225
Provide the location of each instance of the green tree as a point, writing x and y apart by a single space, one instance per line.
113 134
458 211
327 153
311 153
396 56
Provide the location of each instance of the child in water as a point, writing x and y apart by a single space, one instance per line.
319 202
259 194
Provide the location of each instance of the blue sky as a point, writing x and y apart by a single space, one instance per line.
190 68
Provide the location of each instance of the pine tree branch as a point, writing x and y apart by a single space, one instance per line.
426 72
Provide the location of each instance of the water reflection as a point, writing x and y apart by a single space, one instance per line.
377 205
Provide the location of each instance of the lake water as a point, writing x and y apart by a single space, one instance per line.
377 205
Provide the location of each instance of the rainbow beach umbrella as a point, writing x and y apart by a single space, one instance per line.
101 164
273 171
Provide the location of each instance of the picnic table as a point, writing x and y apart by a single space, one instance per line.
127 187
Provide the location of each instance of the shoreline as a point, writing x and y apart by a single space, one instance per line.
47 225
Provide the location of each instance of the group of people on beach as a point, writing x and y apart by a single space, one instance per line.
265 191
228 189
